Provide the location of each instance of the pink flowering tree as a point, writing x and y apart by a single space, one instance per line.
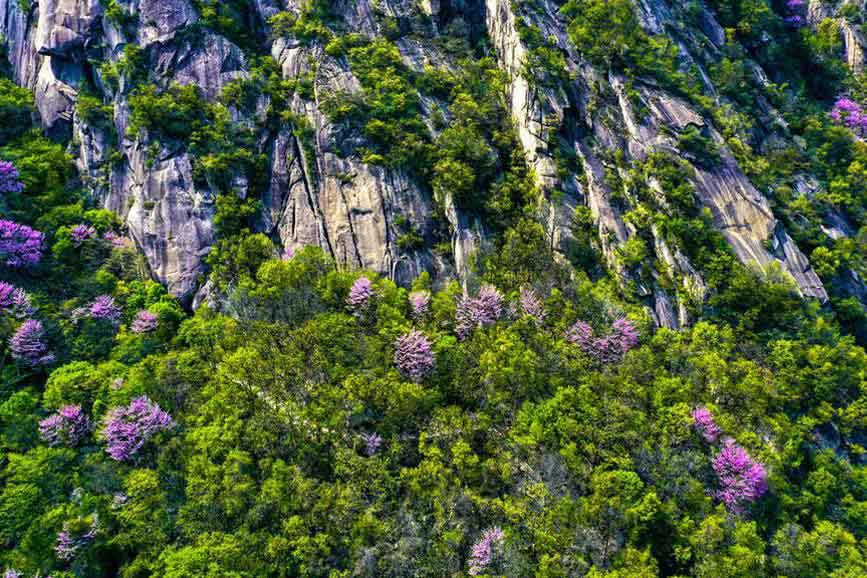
81 233
10 180
741 479
419 303
532 305
483 552
144 322
128 428
105 308
414 356
703 422
850 114
360 296
609 348
483 310
28 344
20 246
67 427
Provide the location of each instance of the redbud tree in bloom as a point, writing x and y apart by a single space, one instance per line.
413 355
850 114
360 295
127 428
81 233
741 480
419 302
10 181
144 322
28 344
104 307
483 550
67 427
75 537
704 423
609 348
481 311
532 305
20 246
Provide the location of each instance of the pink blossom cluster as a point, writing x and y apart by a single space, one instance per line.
704 423
413 355
372 442
127 428
28 344
144 322
483 550
609 348
115 240
14 300
532 305
104 307
741 480
419 302
481 311
360 295
850 114
20 245
10 181
67 427
81 233
69 544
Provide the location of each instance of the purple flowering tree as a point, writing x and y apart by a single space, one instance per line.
28 344
75 537
419 303
850 114
7 293
360 295
796 11
81 233
10 180
288 254
610 348
741 480
11 573
702 420
483 551
372 442
20 246
532 305
413 355
104 307
115 240
481 311
67 427
127 428
144 322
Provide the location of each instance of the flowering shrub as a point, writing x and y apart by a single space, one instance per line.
414 355
483 550
10 573
483 310
115 240
66 427
104 307
128 428
372 441
419 302
10 181
850 114
28 344
288 253
20 245
532 305
360 295
7 291
608 349
144 322
703 421
741 480
81 233
70 542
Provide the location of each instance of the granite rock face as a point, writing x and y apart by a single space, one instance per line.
317 194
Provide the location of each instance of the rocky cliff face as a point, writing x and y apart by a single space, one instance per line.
315 193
